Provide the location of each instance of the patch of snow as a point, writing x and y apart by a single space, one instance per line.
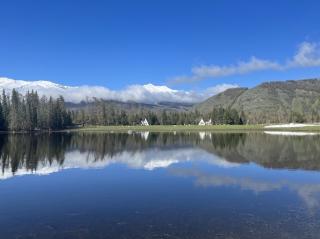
291 125
163 89
288 133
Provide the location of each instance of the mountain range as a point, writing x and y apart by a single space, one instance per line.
275 101
148 93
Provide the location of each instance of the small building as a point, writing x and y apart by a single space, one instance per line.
209 122
144 122
202 122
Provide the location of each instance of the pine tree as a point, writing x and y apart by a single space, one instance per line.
164 118
14 117
5 109
51 114
2 120
42 113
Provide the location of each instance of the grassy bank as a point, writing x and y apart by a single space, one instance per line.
190 128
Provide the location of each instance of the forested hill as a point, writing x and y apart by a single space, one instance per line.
278 101
132 106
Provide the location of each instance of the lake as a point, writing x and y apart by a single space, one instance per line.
159 185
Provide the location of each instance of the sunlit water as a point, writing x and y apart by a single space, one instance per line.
160 185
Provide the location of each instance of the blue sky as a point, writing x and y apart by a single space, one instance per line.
121 43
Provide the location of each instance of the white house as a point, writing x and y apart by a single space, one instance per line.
209 122
202 122
144 122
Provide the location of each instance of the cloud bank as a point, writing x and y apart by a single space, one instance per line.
307 55
148 93
308 191
150 159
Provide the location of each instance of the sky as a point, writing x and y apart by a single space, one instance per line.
185 45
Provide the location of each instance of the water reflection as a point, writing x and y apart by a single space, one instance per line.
43 153
309 192
208 179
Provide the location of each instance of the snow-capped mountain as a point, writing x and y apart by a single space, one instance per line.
148 93
20 84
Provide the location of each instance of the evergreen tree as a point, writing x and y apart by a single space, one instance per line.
2 120
15 111
5 109
43 114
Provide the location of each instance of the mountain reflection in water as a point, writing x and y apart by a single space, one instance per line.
43 153
258 163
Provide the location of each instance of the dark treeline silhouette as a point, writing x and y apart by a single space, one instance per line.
30 112
30 151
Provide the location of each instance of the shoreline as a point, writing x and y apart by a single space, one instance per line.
176 128
191 128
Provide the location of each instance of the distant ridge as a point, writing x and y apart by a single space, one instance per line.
269 102
224 99
276 101
134 106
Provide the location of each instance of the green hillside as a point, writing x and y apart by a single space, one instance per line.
271 102
224 100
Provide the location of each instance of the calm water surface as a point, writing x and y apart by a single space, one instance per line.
159 185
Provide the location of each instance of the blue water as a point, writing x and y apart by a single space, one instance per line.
159 186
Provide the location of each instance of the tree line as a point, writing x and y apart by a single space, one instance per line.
30 112
29 151
103 113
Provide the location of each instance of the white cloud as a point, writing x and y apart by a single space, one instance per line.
307 55
148 93
218 89
309 192
150 159
242 67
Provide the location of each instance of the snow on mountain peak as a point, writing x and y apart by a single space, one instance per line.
8 83
147 93
160 88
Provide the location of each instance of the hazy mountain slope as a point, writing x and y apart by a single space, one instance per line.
134 106
224 100
272 101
